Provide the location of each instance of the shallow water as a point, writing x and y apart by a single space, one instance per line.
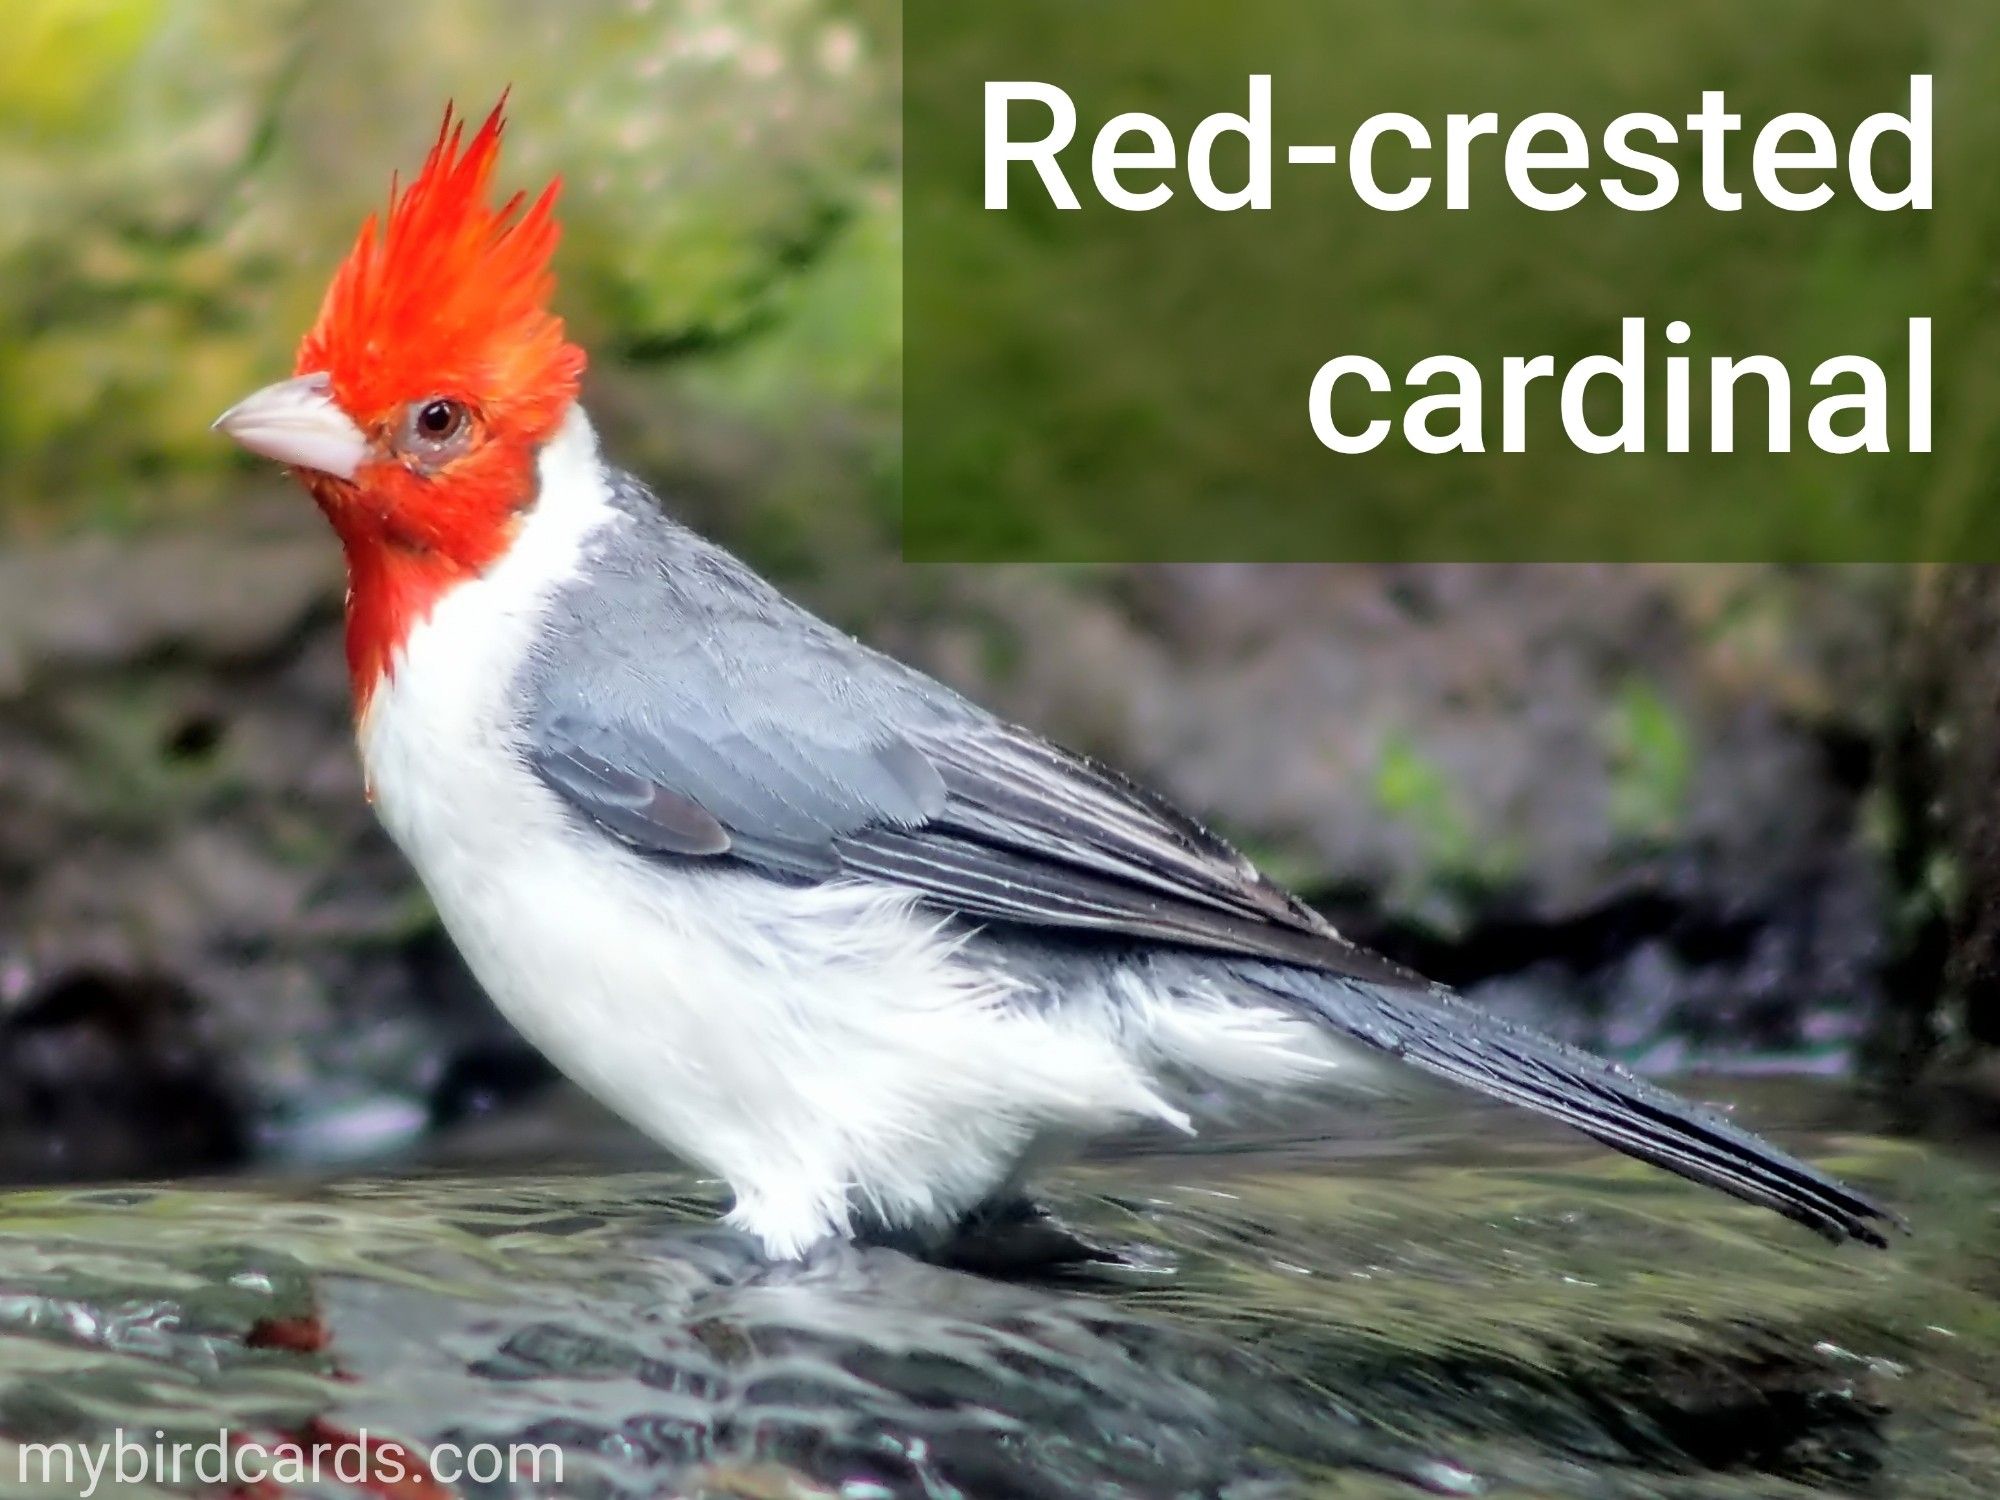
1424 1309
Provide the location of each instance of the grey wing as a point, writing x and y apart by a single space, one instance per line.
808 756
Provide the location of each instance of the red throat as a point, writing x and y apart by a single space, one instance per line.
446 299
387 598
392 590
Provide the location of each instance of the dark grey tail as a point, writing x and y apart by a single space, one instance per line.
1439 1033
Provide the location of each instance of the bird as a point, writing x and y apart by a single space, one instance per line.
818 924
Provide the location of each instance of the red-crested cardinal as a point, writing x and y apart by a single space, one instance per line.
804 915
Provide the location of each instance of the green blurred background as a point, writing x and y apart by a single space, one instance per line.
181 179
1115 386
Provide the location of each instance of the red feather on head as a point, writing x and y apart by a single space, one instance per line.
449 292
445 298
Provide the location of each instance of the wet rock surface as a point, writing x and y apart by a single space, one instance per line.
1383 1316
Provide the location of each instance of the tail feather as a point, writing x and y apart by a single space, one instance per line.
1442 1035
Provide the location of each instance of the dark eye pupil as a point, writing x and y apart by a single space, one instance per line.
437 419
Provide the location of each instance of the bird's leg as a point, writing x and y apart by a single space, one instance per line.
1014 1236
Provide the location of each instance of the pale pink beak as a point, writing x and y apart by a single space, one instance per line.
296 422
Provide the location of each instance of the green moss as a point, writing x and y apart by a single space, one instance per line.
1650 755
122 741
1460 863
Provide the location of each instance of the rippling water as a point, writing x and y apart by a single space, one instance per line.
1515 1316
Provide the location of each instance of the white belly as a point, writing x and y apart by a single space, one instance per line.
820 1048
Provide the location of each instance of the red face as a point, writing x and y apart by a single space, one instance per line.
425 391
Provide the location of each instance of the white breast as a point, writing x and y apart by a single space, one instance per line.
818 1048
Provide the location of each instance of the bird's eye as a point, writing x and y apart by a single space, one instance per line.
435 430
439 419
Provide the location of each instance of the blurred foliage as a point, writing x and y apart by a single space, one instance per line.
1458 861
182 178
1651 756
1108 386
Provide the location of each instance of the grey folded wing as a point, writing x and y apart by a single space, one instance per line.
815 759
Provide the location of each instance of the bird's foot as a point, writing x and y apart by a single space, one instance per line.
1020 1239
